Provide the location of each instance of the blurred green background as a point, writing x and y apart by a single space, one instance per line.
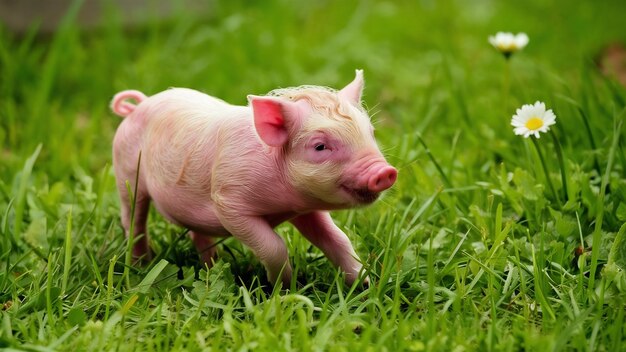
416 55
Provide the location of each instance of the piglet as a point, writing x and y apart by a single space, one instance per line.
220 169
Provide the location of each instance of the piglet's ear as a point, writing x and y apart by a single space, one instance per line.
353 91
269 119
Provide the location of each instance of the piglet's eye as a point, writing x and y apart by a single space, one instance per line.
320 147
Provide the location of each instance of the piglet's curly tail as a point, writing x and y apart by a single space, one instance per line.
121 106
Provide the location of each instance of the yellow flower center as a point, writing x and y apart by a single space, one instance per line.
534 123
509 47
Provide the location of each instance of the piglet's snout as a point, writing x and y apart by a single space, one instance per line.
382 178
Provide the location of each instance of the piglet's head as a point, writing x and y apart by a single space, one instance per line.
327 141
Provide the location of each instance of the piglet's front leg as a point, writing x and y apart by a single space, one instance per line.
258 235
318 227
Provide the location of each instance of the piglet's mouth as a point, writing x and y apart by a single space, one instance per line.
361 195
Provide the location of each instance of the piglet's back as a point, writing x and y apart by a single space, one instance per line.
183 105
180 130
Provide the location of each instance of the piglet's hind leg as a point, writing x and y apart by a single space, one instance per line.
141 248
206 247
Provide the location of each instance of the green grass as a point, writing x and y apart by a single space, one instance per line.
470 251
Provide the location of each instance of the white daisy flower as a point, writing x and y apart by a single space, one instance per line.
508 43
532 119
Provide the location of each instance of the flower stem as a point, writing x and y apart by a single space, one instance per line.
559 155
506 85
545 171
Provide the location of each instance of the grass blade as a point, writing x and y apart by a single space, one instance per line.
68 252
152 275
21 193
597 232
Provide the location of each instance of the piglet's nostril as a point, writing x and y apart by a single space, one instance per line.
392 175
383 179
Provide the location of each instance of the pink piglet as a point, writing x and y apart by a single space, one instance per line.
225 170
